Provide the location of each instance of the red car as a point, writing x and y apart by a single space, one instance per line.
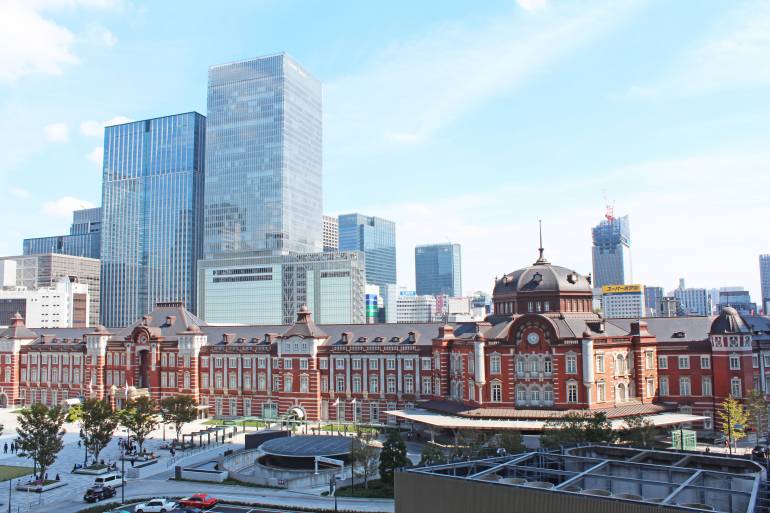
199 500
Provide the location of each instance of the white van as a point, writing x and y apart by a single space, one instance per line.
113 480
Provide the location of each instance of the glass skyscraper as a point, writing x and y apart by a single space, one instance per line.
376 238
263 159
611 252
84 239
152 190
764 277
437 269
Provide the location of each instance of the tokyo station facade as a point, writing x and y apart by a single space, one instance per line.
541 353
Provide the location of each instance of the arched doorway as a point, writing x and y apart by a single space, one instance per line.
144 369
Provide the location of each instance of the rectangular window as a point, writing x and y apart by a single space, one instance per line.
735 362
247 363
287 363
340 386
706 388
649 360
663 362
755 361
261 382
408 364
497 392
232 381
391 363
391 385
233 363
571 367
205 381
425 363
262 362
218 380
339 363
650 388
684 362
705 362
323 363
304 383
663 386
373 362
572 392
684 386
600 363
601 392
426 385
494 364
324 383
303 363
356 363
408 385
276 383
374 384
288 383
356 384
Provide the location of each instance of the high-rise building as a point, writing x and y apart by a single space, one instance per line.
764 277
271 289
331 234
84 239
376 238
652 298
738 298
45 271
438 269
611 251
372 302
623 301
692 301
263 158
669 307
152 190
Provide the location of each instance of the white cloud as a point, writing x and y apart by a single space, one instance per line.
96 128
98 35
733 56
416 87
57 132
31 43
531 5
19 192
678 222
96 155
64 206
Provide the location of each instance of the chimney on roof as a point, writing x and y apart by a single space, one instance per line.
412 337
17 321
639 329
170 320
446 331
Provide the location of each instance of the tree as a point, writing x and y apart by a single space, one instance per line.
639 431
576 428
40 434
756 409
364 457
731 415
98 423
511 442
178 410
74 413
469 443
432 455
139 417
393 456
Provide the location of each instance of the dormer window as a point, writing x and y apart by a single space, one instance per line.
537 278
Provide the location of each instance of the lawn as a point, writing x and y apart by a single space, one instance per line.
12 472
377 490
349 428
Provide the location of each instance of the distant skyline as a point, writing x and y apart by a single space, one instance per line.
460 122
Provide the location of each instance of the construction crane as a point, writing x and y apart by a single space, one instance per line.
610 212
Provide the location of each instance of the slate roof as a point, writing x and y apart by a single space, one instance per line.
552 278
667 329
630 408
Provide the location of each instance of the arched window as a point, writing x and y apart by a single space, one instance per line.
534 395
572 391
521 394
548 395
519 365
497 392
620 364
534 365
621 392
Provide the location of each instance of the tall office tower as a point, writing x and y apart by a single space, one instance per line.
331 234
438 269
376 237
45 271
692 301
652 298
151 222
84 239
263 159
764 277
611 251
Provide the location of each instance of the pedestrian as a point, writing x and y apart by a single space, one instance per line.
5 448
57 477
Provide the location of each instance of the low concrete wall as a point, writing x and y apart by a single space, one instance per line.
243 466
210 476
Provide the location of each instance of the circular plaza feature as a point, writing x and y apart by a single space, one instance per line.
299 452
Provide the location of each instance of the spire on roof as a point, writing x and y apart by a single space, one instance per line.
541 259
17 320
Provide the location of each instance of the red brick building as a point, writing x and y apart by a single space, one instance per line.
541 352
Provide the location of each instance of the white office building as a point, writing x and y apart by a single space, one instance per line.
64 305
623 301
413 308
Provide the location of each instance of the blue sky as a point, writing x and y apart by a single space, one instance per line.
458 121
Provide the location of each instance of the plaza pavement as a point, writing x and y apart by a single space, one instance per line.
69 499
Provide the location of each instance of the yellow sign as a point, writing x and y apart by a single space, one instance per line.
620 289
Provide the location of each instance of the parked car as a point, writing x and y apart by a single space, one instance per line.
199 500
155 506
112 479
98 493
